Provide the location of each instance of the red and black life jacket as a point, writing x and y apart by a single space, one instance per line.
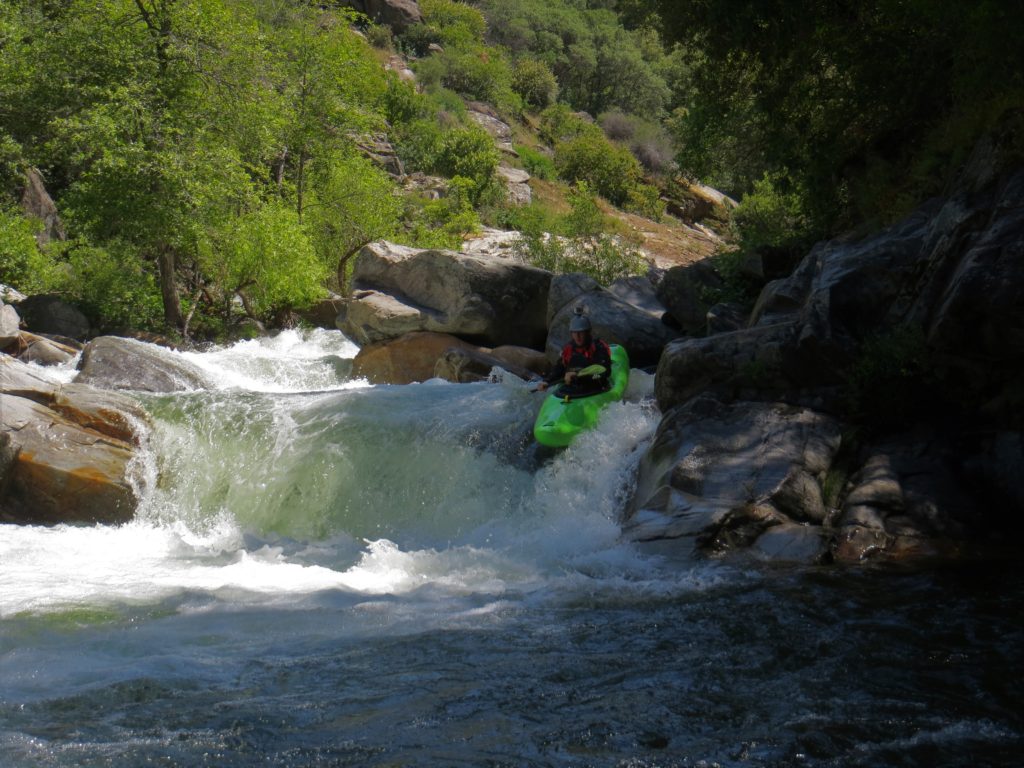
580 357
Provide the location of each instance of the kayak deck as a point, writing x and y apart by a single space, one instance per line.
562 417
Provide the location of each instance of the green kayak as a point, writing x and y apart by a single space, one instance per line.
562 417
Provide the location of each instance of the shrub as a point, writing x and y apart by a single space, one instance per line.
612 171
771 215
559 123
403 104
113 286
534 81
585 218
468 153
617 125
22 264
536 164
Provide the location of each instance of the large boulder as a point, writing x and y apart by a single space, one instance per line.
48 313
111 362
10 325
409 358
683 292
483 299
516 184
637 328
66 451
397 14
463 365
719 476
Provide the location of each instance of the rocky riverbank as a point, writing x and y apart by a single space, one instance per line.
868 406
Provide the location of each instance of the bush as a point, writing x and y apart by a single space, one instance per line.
113 286
536 164
772 215
617 125
468 153
612 171
403 104
22 264
559 123
534 81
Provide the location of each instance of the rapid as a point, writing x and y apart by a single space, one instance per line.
324 572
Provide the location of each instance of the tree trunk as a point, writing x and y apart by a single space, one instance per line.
169 288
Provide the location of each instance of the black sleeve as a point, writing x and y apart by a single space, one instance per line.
557 373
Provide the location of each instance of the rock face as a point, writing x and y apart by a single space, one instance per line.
397 14
516 182
66 452
723 475
488 300
948 277
110 362
37 203
638 327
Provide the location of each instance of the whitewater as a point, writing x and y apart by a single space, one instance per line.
324 572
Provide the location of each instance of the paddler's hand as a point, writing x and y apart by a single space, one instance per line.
570 376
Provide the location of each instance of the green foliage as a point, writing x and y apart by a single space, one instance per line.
855 107
113 286
402 103
597 63
586 248
535 163
265 257
468 153
611 170
772 214
447 221
534 81
585 219
559 123
22 264
355 203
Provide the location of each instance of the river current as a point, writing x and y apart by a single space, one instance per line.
327 573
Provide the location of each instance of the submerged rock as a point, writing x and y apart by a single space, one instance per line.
111 362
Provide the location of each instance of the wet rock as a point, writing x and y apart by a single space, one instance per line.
43 351
110 362
66 451
407 359
910 498
461 364
720 475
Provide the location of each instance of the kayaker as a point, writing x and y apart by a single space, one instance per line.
584 351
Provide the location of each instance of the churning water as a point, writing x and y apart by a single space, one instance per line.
329 573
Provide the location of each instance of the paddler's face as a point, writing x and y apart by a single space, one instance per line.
578 337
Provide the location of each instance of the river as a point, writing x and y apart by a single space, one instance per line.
326 573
